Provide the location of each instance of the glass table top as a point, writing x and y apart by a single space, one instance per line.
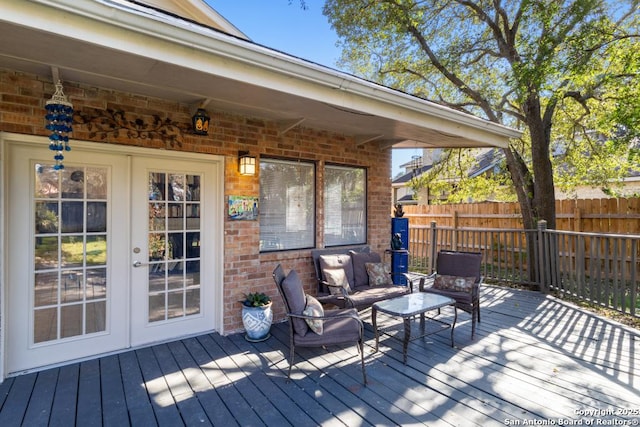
415 303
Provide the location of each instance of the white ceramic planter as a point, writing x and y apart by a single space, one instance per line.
257 322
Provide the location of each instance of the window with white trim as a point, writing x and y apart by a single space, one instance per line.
345 205
287 205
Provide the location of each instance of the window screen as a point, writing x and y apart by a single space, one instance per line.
287 205
345 213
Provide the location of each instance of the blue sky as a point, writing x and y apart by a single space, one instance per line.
288 28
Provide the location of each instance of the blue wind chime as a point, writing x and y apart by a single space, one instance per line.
60 118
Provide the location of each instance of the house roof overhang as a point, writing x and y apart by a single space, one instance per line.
125 46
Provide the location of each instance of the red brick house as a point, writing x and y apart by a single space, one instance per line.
138 239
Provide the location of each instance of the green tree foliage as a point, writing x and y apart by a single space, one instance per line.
564 71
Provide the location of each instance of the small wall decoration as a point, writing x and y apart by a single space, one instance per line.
243 207
59 123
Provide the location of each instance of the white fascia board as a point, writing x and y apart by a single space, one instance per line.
170 40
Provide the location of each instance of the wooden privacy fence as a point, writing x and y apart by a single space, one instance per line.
618 216
600 268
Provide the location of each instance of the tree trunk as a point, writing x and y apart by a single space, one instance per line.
523 185
544 197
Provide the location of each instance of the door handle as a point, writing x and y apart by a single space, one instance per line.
139 264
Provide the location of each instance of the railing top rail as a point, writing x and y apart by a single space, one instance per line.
547 230
446 227
583 233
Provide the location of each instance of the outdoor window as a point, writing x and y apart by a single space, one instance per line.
345 212
287 205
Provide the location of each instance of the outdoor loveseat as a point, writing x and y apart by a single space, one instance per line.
353 277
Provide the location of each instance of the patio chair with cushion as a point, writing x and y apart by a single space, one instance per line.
310 325
458 276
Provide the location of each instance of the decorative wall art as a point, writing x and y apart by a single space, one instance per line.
243 207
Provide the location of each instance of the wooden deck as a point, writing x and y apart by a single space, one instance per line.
535 360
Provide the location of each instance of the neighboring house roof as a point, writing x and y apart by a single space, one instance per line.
486 161
407 199
127 46
404 179
196 11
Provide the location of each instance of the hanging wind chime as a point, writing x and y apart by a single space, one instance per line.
60 118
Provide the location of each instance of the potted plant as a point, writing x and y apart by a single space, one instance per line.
256 316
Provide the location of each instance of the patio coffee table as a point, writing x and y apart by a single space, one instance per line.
408 306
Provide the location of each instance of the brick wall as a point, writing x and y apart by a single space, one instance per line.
22 99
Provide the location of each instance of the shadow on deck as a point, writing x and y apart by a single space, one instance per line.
534 359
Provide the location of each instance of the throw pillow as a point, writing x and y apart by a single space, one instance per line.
337 277
453 283
314 308
343 261
359 259
379 274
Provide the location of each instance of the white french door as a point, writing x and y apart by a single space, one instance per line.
110 252
173 255
67 281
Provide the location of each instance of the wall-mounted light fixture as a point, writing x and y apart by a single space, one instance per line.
246 163
200 122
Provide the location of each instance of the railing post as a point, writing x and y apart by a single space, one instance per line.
433 235
542 227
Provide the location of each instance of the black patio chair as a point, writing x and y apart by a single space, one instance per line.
341 326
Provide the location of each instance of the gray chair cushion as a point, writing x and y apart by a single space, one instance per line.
337 330
359 259
463 299
367 295
295 298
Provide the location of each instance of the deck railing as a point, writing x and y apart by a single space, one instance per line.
603 269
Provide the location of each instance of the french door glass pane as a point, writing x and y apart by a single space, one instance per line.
70 252
174 245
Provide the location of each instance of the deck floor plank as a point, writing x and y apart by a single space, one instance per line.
39 410
164 406
189 406
534 359
5 388
114 404
219 372
139 406
89 410
189 353
16 404
65 400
